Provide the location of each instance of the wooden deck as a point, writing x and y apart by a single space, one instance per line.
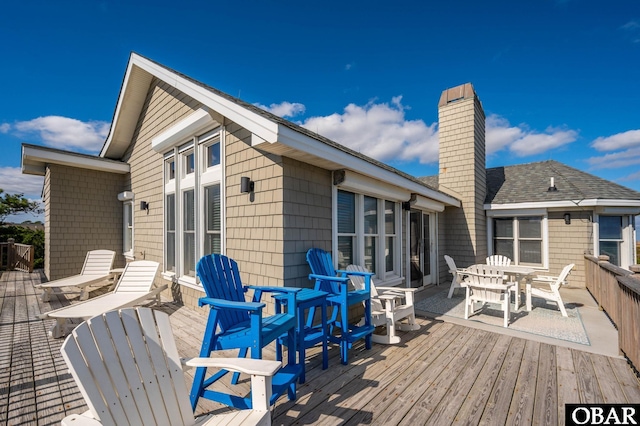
443 374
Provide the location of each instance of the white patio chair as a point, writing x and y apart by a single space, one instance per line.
457 281
389 307
96 269
552 292
485 284
134 287
127 367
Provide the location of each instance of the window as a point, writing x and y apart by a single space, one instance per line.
193 204
519 238
611 238
128 228
368 233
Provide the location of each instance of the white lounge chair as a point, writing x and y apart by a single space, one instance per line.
96 269
134 287
384 309
552 292
485 284
129 372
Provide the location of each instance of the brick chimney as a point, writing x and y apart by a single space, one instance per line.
463 173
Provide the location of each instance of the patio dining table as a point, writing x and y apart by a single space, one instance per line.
520 273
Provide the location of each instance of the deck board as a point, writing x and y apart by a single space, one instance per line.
444 373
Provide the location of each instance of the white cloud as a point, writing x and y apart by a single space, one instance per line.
381 131
520 140
631 26
13 181
5 127
66 133
284 109
614 160
628 139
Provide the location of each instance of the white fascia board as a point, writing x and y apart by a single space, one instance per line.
565 204
251 121
304 143
34 157
125 84
517 212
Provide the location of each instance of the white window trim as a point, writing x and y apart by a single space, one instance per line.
390 278
521 213
628 245
127 198
203 176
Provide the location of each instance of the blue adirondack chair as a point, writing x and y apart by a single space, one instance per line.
234 323
336 283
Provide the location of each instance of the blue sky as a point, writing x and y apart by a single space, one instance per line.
557 79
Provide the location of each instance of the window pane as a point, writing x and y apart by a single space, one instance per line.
128 227
170 219
188 211
189 163
346 212
389 218
530 227
171 169
370 253
611 249
530 252
503 227
370 215
212 201
388 254
189 254
611 227
345 251
212 244
503 247
213 155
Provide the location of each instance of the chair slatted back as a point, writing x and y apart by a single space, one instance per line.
138 277
220 278
127 367
321 264
487 281
498 260
358 284
562 277
98 262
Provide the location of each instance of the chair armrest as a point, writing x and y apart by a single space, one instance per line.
544 278
274 289
258 367
344 280
390 296
359 273
398 289
227 304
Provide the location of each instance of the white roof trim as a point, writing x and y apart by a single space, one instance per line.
194 123
565 204
299 141
35 160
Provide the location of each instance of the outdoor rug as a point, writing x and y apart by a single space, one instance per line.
545 319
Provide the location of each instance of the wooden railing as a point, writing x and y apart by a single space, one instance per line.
617 292
15 256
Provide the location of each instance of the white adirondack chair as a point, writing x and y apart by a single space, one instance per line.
96 269
553 291
485 284
389 307
498 260
134 287
456 280
128 370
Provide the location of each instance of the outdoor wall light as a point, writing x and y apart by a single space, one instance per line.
246 185
144 205
567 218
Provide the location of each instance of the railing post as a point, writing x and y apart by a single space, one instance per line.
11 254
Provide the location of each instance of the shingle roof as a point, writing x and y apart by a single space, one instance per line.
529 183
